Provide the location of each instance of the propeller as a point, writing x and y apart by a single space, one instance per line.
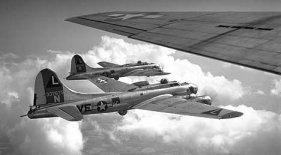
161 67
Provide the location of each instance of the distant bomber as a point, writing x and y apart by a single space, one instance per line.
53 99
80 70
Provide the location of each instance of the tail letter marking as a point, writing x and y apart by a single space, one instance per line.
53 81
57 99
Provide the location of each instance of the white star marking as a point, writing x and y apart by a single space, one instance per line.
101 80
102 106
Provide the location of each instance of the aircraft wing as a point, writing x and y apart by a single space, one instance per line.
107 64
144 72
177 105
250 39
110 85
68 112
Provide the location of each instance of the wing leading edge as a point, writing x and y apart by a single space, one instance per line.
250 39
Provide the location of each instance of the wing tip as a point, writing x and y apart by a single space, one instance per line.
232 114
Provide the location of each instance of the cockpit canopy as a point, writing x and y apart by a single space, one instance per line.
142 63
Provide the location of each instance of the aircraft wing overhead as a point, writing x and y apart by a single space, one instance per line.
110 85
107 64
249 39
178 105
68 112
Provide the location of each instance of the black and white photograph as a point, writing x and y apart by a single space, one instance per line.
140 77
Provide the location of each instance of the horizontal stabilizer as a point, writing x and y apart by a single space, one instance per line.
67 112
110 85
107 64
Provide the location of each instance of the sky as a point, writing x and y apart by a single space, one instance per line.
34 36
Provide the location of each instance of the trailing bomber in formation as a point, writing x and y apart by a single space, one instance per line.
53 99
80 70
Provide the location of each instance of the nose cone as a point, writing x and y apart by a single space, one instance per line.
232 115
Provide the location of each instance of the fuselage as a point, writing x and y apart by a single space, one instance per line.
120 71
111 102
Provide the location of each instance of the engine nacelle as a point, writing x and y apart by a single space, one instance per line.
193 89
116 77
205 100
164 81
106 74
201 99
122 112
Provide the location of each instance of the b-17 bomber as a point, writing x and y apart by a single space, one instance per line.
53 99
80 70
109 85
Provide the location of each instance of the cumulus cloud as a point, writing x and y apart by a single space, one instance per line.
256 132
139 131
24 136
121 52
276 90
260 92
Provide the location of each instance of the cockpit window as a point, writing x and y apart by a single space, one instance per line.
185 83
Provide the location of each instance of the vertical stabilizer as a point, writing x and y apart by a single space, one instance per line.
78 65
49 89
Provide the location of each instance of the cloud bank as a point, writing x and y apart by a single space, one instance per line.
24 136
121 52
140 132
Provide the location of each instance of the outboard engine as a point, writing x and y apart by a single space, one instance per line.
201 99
163 81
122 112
205 100
193 89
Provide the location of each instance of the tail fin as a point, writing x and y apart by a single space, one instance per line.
49 89
78 65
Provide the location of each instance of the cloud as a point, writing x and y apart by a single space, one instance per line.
24 136
206 136
256 132
121 52
260 92
138 131
276 90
